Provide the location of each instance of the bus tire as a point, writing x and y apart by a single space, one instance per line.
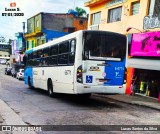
50 88
29 83
84 96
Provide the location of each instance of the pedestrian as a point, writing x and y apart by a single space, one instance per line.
133 85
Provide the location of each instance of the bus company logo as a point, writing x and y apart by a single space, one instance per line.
92 68
13 4
6 128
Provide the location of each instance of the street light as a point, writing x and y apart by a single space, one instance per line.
129 28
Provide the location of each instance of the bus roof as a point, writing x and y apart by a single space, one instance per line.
50 43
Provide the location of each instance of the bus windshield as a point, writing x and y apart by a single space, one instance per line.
101 45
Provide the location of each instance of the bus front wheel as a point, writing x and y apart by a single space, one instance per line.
50 88
29 84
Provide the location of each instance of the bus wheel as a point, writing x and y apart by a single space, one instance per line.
84 96
29 83
50 88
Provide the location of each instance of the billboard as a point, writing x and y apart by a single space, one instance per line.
146 44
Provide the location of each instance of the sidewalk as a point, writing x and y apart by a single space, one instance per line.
135 100
1 121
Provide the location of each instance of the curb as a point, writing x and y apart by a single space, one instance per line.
9 116
138 104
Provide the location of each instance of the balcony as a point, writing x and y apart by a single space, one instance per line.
94 27
94 2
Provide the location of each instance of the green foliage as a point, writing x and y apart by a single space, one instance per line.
81 12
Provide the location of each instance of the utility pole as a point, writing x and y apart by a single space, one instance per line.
23 28
24 41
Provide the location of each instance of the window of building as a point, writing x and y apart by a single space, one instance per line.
96 18
135 8
38 42
154 9
37 23
114 14
43 41
31 25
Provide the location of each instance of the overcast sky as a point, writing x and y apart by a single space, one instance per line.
12 24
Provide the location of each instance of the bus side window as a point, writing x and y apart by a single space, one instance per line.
39 53
64 47
72 45
53 60
63 59
46 52
71 58
54 50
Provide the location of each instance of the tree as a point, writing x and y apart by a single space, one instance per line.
77 12
80 11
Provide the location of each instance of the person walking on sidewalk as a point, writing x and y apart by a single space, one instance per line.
133 85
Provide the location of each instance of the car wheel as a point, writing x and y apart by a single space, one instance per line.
50 88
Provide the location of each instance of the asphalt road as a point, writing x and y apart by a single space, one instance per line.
35 107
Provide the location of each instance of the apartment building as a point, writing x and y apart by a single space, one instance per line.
139 20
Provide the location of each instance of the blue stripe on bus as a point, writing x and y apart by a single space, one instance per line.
114 73
29 51
28 73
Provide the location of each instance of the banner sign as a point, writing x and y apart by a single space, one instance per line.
150 22
146 44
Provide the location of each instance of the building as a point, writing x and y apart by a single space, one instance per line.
4 50
18 48
47 26
140 21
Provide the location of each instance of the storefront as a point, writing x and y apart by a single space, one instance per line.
144 63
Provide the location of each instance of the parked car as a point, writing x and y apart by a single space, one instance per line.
8 70
13 72
3 61
20 74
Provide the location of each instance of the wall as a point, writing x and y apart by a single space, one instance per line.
53 22
4 54
127 20
50 34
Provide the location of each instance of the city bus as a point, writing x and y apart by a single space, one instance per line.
83 62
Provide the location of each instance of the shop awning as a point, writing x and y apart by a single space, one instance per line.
144 64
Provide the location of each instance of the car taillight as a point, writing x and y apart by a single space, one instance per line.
79 74
20 73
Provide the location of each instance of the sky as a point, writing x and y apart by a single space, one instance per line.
9 25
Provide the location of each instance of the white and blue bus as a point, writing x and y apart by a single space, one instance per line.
82 62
